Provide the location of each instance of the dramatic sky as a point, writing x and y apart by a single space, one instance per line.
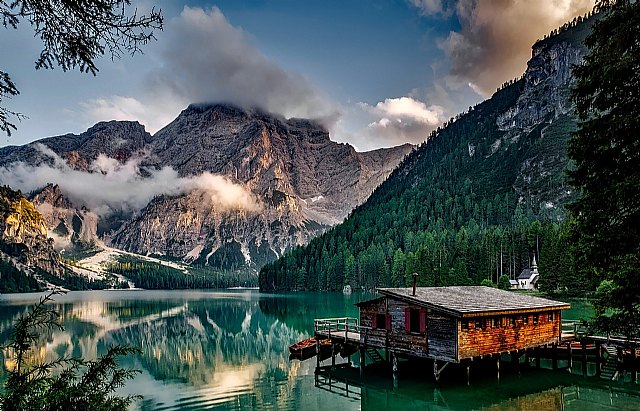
377 72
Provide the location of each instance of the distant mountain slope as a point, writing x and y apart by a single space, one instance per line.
304 181
298 181
477 200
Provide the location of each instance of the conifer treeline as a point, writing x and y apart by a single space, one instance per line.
151 275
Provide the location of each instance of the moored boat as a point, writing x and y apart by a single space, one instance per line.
307 348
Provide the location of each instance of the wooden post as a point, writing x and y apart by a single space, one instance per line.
363 361
497 368
537 354
634 365
570 353
515 360
394 362
394 367
554 359
598 358
583 344
317 352
468 370
333 355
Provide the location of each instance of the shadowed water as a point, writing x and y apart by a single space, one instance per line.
228 350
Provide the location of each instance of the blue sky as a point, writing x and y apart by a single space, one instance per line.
378 73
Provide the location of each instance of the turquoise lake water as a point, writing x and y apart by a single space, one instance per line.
228 350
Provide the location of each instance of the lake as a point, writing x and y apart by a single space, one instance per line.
228 350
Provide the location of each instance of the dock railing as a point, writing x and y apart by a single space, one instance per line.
343 327
574 329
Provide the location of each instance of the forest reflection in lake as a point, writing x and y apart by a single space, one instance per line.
228 350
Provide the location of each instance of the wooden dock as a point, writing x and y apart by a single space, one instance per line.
344 329
610 353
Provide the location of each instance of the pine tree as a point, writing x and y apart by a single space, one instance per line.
606 151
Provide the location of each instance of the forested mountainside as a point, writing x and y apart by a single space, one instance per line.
481 198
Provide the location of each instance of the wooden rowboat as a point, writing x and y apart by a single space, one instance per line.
307 348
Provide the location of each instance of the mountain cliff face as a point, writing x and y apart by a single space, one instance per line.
23 234
299 182
304 183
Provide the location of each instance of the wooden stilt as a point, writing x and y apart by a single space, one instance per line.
583 344
394 363
497 367
363 361
554 359
437 371
468 370
634 365
598 358
515 360
333 356
570 356
537 354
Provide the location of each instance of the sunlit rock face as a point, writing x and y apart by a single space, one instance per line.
23 234
299 182
303 181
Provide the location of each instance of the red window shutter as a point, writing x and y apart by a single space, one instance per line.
423 321
407 319
374 321
388 324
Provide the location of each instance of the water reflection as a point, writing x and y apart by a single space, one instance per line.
532 390
228 350
199 349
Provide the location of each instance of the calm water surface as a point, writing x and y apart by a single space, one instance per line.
228 350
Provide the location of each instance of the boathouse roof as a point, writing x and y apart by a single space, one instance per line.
473 301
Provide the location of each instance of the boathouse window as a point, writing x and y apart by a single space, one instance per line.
525 320
512 321
550 318
465 325
381 321
535 319
415 320
479 324
495 322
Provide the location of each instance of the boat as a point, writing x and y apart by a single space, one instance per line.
306 348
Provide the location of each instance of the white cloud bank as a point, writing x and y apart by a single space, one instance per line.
494 42
112 186
203 58
397 121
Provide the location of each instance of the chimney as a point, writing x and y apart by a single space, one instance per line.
415 280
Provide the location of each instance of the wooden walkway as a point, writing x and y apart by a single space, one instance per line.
344 329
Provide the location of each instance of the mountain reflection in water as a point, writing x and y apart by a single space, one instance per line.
228 350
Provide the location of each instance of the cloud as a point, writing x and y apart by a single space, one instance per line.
494 42
113 186
204 58
400 120
433 7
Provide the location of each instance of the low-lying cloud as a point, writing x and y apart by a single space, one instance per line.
204 58
401 120
494 42
113 186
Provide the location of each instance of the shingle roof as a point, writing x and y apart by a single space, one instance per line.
525 274
470 301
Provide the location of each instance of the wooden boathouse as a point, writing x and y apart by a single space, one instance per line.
449 324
